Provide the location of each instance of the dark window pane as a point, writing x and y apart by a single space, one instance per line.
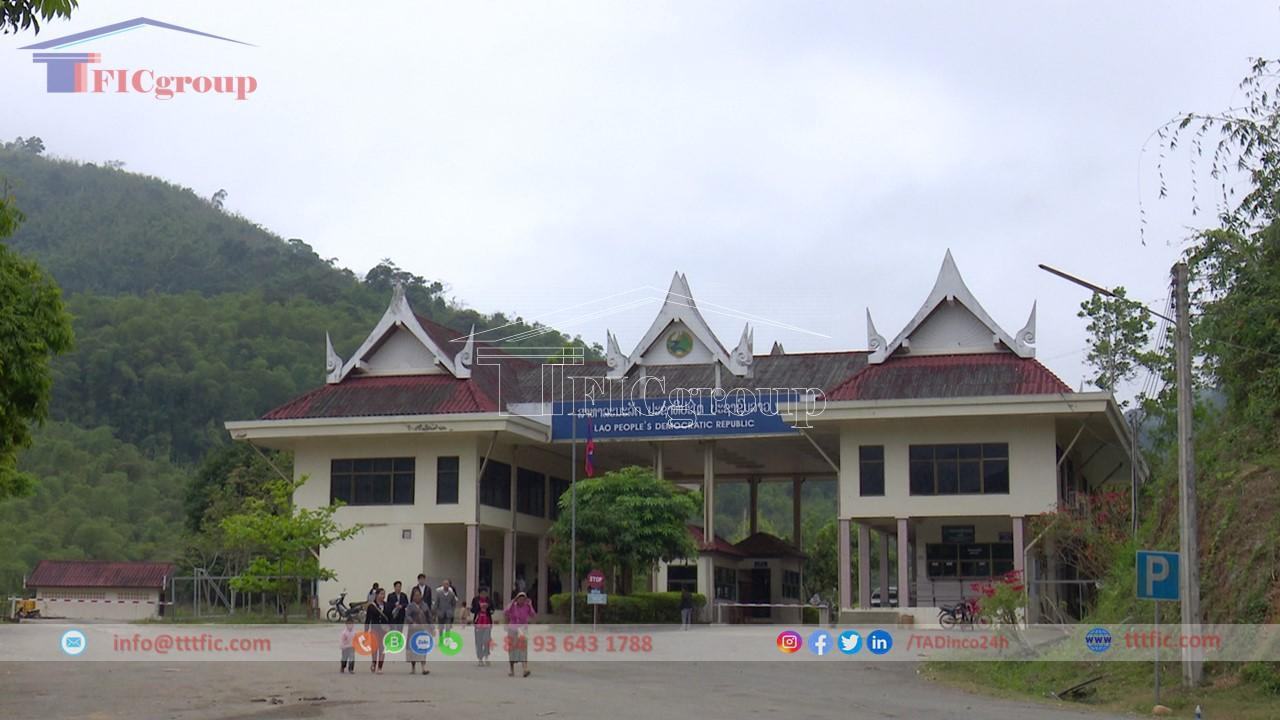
340 466
970 477
1001 567
995 450
403 465
921 478
948 475
385 465
363 466
380 485
940 551
921 452
871 453
364 494
402 489
1002 551
871 479
946 452
340 487
495 486
970 452
446 480
995 476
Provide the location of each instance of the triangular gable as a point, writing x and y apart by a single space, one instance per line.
951 321
679 335
400 345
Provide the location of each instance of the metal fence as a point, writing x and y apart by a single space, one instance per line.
201 595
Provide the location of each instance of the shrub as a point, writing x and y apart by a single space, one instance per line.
639 608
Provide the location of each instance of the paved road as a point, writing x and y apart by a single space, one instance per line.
594 690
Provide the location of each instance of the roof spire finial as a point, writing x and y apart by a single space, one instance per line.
332 362
875 342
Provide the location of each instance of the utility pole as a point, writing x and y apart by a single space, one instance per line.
1189 545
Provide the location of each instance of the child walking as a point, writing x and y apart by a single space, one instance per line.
348 651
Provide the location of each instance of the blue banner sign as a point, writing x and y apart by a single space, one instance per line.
724 414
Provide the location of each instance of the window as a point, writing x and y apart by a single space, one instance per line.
372 481
531 488
726 583
682 577
871 470
968 560
791 584
447 480
559 486
495 485
970 469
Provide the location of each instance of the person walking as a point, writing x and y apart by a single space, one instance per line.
518 616
686 609
377 621
373 592
424 587
345 643
482 619
397 602
417 620
446 605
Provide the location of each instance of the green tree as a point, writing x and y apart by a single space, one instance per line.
1119 337
34 327
821 566
283 542
627 520
18 15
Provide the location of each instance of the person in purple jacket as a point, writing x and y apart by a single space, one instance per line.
518 615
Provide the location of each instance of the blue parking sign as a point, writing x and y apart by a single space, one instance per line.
1157 575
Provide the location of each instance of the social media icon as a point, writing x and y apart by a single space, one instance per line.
450 643
820 642
849 642
1098 640
393 642
879 642
364 643
789 641
73 642
421 642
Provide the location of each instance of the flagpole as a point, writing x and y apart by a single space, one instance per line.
573 520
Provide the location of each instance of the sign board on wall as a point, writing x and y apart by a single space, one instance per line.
696 416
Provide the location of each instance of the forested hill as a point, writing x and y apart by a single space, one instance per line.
185 316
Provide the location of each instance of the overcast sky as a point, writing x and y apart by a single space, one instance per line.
799 162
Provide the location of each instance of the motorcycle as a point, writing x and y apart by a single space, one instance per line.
964 614
339 611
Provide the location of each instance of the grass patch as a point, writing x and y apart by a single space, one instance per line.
1127 687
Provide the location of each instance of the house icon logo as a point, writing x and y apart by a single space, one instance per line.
69 71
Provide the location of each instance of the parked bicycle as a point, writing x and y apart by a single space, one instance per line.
339 611
964 614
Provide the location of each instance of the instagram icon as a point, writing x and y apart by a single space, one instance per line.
789 641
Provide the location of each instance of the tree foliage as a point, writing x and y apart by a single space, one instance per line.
20 15
282 541
627 520
1119 337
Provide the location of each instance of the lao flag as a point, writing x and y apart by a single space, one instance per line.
591 450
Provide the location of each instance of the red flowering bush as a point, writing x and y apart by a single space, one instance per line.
1087 533
1001 601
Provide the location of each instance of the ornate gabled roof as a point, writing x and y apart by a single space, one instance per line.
399 317
679 309
968 327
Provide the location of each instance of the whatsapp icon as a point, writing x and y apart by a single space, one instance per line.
450 643
393 642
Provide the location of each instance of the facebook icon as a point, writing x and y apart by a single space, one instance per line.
820 642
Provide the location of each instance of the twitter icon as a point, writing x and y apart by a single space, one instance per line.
849 642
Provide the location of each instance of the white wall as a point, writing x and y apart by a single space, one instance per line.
95 603
402 353
1032 461
444 555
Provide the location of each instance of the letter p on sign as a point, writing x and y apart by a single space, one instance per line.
1157 575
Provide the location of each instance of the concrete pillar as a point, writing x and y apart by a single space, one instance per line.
842 566
884 569
514 488
543 594
709 491
904 567
657 461
754 484
864 567
508 567
473 561
1018 558
797 483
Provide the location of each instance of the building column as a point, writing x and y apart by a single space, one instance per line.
657 461
843 571
864 567
1018 535
904 567
754 484
709 492
797 484
508 567
514 488
543 595
884 569
473 561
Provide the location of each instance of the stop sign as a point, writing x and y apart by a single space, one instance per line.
595 580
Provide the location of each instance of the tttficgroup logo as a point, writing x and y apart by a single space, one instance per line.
789 641
70 72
